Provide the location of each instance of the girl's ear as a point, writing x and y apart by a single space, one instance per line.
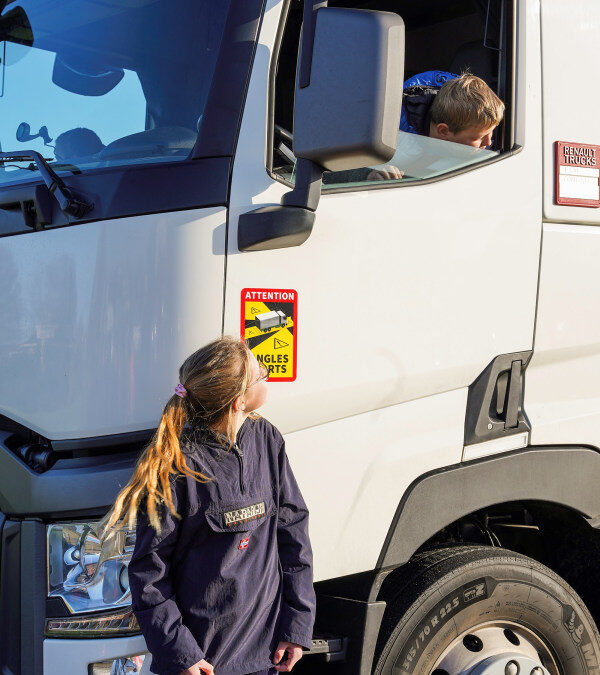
239 404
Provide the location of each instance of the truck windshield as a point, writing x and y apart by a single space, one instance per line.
96 83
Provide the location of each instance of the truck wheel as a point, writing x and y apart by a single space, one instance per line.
484 611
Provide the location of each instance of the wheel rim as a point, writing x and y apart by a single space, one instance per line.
496 648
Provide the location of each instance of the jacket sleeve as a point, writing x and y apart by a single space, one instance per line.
298 608
168 639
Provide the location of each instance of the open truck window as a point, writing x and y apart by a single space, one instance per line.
473 36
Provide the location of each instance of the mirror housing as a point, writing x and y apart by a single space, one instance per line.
348 99
348 114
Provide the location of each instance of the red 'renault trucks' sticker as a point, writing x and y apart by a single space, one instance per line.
577 174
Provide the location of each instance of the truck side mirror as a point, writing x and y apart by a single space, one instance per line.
347 107
347 104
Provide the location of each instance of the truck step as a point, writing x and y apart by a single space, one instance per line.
330 647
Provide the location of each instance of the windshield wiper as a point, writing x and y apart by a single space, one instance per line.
64 166
56 186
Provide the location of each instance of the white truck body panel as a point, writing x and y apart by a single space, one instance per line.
74 656
353 472
102 312
561 391
571 73
562 397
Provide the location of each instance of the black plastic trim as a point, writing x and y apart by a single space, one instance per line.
227 95
138 190
328 648
72 487
34 202
56 608
94 442
543 473
483 422
272 78
510 65
271 227
33 595
10 599
356 620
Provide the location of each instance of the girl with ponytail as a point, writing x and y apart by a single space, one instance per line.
221 573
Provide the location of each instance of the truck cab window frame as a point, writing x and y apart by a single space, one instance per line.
495 47
177 157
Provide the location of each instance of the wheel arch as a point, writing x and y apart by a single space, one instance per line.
539 474
498 482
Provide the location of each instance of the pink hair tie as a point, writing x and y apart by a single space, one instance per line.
180 390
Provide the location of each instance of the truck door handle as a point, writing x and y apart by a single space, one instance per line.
513 397
495 400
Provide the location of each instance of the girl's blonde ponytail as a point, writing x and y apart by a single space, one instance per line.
150 478
213 377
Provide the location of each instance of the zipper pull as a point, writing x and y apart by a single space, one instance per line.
240 455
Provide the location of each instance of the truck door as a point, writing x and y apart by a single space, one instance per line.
405 288
408 288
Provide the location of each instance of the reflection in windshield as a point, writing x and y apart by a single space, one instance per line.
93 84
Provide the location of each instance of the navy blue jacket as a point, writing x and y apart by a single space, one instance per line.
234 576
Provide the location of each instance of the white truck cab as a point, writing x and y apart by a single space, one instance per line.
174 170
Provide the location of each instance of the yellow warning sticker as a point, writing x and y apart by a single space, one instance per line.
269 325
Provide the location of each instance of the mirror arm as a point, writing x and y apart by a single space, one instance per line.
307 187
288 223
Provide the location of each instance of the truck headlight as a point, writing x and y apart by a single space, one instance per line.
90 577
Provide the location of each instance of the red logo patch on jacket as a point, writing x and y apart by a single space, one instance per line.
244 543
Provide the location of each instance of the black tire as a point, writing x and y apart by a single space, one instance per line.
446 593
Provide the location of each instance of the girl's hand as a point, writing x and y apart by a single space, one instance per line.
294 653
199 669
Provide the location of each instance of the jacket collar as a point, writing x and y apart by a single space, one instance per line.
213 440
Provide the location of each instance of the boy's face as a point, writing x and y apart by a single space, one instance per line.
476 138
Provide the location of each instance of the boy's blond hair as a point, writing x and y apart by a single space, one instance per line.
466 101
